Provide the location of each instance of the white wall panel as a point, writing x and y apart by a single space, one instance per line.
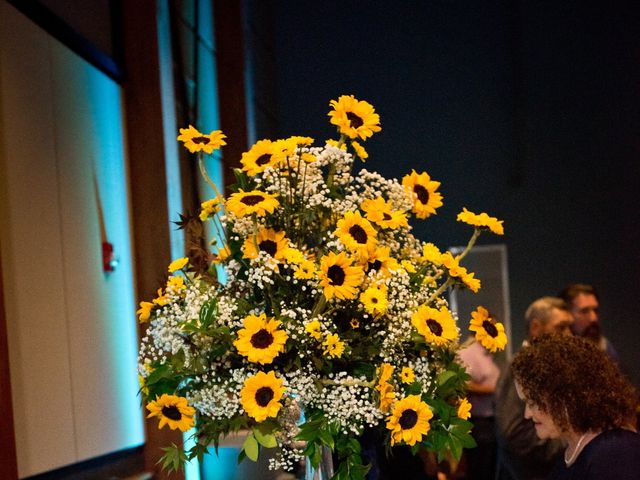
72 330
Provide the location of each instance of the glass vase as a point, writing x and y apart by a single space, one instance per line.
324 471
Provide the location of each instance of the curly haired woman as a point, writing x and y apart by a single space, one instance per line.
574 392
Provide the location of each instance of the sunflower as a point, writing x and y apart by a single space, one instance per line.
354 118
338 277
409 420
464 409
436 326
267 240
381 212
481 220
471 282
263 154
407 375
293 256
260 340
144 312
387 395
379 259
374 299
161 299
245 203
260 396
209 208
423 193
178 264
333 346
488 332
360 151
173 411
337 144
356 232
222 254
196 141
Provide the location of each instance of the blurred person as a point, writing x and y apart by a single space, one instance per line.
584 302
575 393
481 460
521 454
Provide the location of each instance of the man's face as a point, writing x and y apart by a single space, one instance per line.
584 309
559 322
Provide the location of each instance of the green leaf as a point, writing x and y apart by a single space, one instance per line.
445 376
326 438
266 440
173 459
251 447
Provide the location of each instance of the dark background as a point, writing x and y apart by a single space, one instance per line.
525 110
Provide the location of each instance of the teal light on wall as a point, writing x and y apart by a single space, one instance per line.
107 136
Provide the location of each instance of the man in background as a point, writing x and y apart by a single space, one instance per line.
521 454
583 302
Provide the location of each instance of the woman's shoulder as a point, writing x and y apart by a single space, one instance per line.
617 437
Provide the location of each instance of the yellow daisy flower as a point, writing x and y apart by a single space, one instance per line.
407 375
263 154
260 396
293 256
144 312
360 151
199 142
464 409
409 420
267 240
354 323
333 346
488 332
306 270
387 396
161 299
355 232
172 411
245 203
381 212
178 264
209 208
431 254
481 220
302 141
408 266
175 285
471 282
335 143
338 277
354 118
385 371
436 326
423 192
313 329
222 254
374 300
260 340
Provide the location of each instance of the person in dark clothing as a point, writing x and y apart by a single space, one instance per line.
574 392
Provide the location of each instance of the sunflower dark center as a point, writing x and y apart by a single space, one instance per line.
386 216
435 327
336 275
355 120
375 265
358 234
172 412
490 328
374 299
408 419
269 246
261 339
252 199
201 139
263 159
422 193
263 396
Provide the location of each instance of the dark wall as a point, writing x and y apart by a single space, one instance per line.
528 112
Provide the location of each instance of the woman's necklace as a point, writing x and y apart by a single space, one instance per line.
569 461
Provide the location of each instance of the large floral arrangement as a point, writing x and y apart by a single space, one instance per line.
330 307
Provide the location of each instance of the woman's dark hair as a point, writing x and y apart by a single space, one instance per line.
576 383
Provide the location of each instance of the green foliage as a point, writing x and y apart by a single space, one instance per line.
173 459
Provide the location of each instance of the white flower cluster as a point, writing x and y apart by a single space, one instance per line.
348 402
